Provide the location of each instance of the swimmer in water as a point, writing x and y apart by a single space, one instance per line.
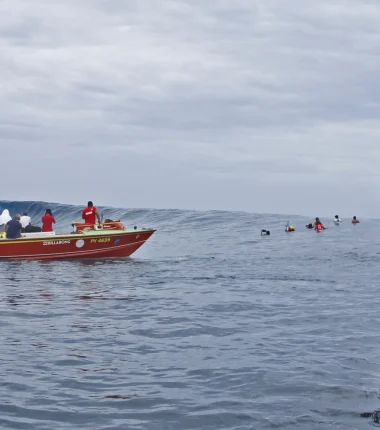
354 220
265 232
309 226
289 228
337 220
318 226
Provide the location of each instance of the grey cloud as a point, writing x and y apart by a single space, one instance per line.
264 94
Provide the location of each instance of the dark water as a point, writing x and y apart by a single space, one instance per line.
208 326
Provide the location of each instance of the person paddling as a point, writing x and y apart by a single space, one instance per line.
318 226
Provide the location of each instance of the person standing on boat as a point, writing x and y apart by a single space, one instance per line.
90 214
47 221
13 228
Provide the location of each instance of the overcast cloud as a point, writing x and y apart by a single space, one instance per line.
259 105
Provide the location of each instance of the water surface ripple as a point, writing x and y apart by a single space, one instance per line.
208 326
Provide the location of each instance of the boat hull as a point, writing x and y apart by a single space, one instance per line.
94 244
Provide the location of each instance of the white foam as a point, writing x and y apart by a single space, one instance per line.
5 217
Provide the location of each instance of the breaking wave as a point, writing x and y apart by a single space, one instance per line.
65 214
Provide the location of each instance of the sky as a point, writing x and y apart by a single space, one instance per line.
256 105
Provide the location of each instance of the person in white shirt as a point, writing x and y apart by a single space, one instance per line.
337 220
25 220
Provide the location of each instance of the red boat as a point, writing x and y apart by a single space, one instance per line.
109 240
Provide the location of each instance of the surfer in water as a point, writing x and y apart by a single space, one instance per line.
289 228
318 226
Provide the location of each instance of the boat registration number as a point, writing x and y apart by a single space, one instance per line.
101 240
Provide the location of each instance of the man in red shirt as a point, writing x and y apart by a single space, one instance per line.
90 213
47 221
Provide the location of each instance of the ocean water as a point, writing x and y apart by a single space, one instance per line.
207 326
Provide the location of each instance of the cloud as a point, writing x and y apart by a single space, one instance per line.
192 104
